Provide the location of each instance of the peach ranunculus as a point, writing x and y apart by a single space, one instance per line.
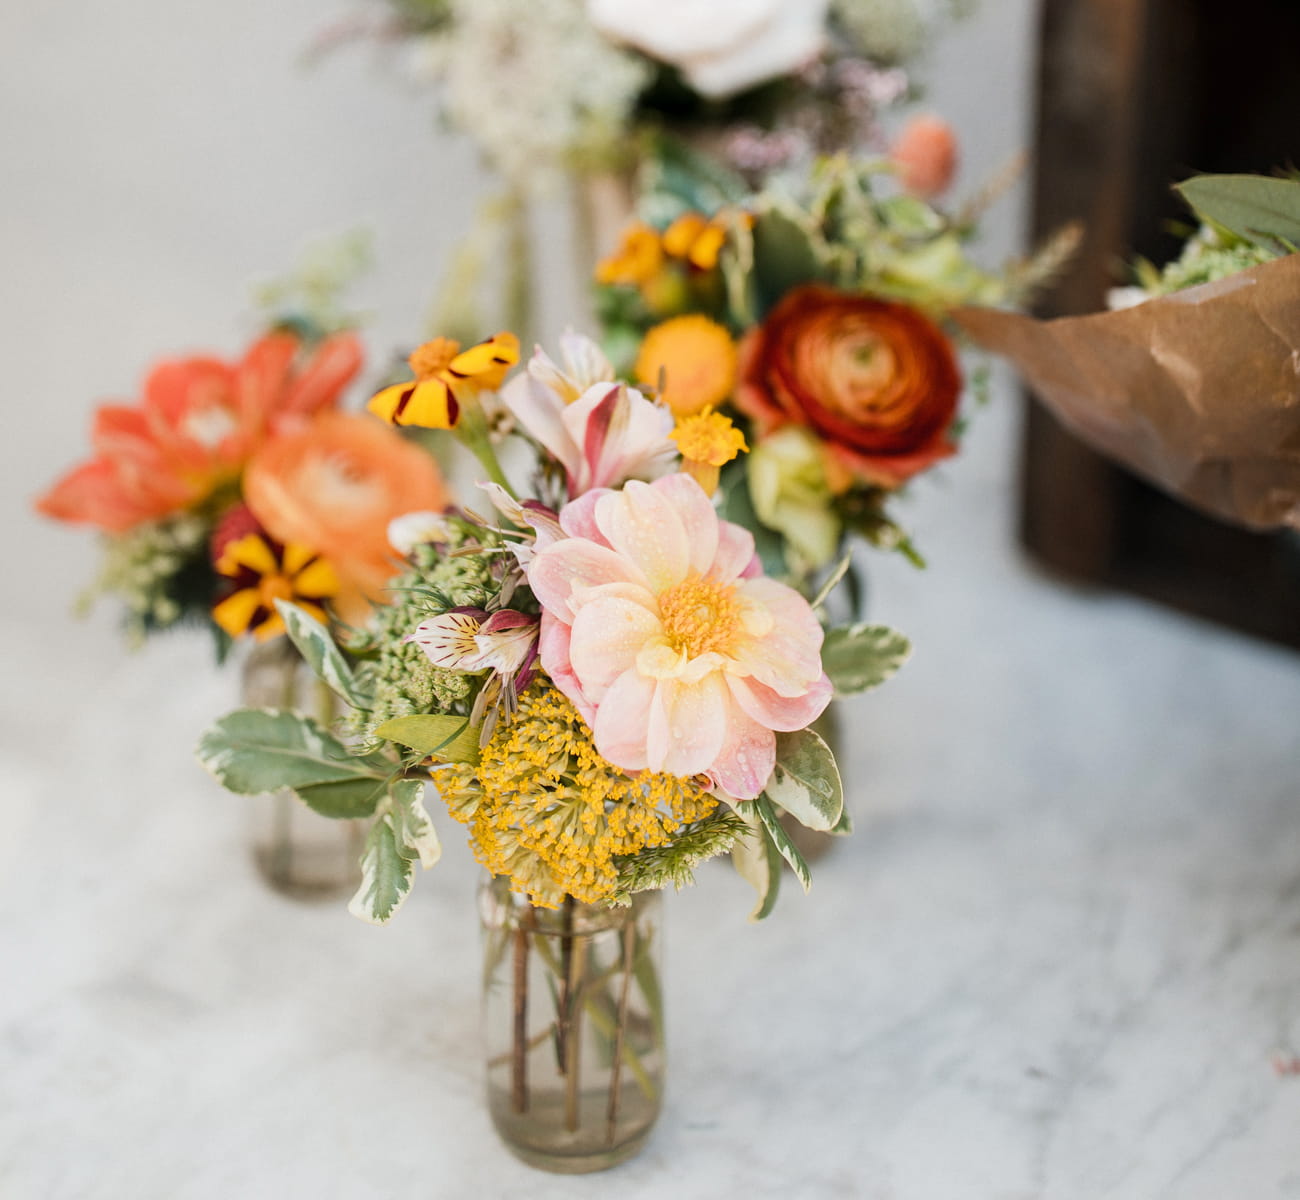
196 426
877 383
926 155
659 627
335 485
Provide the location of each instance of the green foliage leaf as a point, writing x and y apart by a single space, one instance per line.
419 838
254 750
805 781
757 862
386 872
781 840
861 657
677 178
317 647
347 799
449 738
784 257
1260 209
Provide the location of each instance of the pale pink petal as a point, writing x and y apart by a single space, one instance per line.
607 634
695 511
644 528
556 570
540 411
553 650
620 725
787 657
774 711
735 557
578 517
745 762
621 435
696 716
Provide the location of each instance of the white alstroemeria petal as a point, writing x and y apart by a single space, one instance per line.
503 502
450 641
417 528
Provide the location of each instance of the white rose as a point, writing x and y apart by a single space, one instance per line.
720 46
415 529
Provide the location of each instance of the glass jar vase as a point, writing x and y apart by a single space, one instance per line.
297 851
573 1027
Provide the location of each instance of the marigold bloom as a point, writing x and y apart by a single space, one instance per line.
694 357
876 382
336 485
441 368
263 571
657 624
199 421
707 441
638 259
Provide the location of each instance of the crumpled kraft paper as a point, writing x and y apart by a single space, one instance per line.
1198 392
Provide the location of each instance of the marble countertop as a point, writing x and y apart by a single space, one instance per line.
1060 959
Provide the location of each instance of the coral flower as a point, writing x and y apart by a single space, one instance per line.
876 382
696 360
263 571
658 626
335 486
199 421
926 155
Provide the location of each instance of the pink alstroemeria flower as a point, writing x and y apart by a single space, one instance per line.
602 433
659 626
471 639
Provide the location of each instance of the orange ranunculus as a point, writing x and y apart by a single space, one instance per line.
876 382
334 486
196 426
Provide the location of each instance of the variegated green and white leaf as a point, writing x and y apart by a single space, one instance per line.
781 840
757 862
320 653
861 657
386 872
254 750
805 781
449 738
419 838
346 799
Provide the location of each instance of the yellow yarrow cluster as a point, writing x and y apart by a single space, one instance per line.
544 808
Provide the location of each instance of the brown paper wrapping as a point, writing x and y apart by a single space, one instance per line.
1198 392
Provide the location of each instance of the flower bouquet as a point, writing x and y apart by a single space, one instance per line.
1192 383
605 689
233 484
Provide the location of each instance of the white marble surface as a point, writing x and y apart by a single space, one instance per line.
1056 962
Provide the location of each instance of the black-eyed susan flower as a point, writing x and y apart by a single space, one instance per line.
263 571
441 368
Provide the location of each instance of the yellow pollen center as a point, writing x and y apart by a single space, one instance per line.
433 357
700 616
273 588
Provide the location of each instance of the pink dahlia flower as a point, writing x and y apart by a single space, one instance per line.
659 627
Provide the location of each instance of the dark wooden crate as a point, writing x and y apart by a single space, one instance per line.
1133 95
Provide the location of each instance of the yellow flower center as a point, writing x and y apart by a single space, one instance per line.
700 616
271 588
433 357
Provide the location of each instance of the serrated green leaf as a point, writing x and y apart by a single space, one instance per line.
419 838
255 750
844 826
386 873
805 781
1260 209
757 862
449 738
860 657
345 800
320 653
781 840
